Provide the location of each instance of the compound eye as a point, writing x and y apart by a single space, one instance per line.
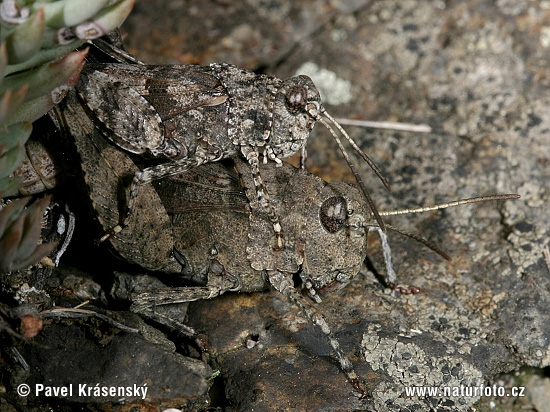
333 214
296 99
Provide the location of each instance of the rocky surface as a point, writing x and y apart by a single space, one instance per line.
477 73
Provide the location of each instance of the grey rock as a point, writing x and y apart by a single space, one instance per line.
85 354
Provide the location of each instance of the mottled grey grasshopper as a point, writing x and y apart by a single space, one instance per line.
193 115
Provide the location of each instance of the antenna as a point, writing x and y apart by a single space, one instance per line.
391 276
370 202
451 204
459 202
385 125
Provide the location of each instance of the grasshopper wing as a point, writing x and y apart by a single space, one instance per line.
133 102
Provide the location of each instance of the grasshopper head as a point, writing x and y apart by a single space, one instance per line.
335 236
296 99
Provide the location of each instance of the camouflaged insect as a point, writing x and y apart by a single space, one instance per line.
194 115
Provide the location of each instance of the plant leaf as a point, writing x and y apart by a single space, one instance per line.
105 21
11 212
41 251
26 39
9 243
32 227
47 77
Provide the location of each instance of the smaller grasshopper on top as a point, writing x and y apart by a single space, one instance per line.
193 115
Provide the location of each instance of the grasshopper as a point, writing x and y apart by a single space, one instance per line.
192 115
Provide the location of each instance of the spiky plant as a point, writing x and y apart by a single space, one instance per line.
37 68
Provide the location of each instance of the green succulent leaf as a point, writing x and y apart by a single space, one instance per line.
3 60
32 227
31 110
20 234
9 186
9 102
10 160
15 135
12 147
9 243
26 39
44 56
105 21
45 78
68 13
41 251
10 213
